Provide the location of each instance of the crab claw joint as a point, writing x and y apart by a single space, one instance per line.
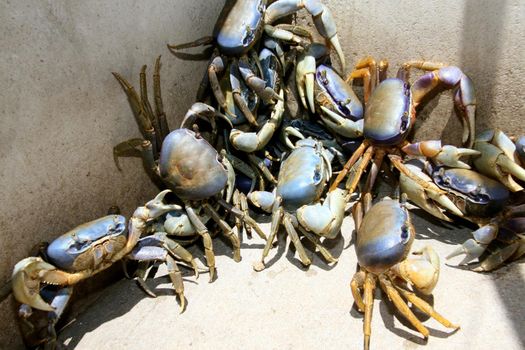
26 278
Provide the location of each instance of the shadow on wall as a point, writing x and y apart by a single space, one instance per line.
480 56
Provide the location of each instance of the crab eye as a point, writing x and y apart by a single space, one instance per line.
317 175
405 235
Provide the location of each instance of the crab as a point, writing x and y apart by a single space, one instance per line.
322 90
239 29
501 158
296 201
46 283
382 248
477 198
390 112
188 165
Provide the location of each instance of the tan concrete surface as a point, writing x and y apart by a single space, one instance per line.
289 307
61 112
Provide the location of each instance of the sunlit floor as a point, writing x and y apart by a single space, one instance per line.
287 306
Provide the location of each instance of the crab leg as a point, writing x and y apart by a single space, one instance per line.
354 180
357 283
365 69
277 217
206 40
316 241
206 239
368 300
355 156
323 19
447 77
258 85
401 305
426 308
290 229
226 230
148 111
237 94
245 217
144 122
289 33
159 108
254 141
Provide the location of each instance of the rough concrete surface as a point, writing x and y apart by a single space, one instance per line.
62 111
289 307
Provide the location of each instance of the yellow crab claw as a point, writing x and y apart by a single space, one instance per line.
421 271
26 278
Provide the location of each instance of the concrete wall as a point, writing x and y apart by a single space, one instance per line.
62 111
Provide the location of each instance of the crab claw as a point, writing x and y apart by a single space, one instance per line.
205 112
27 276
421 190
324 219
497 159
442 155
157 207
474 247
304 79
422 272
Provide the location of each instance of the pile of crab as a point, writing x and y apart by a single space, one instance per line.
240 150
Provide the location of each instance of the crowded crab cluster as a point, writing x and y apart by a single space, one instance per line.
239 153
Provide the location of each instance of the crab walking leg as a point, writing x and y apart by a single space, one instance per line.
360 169
289 32
206 239
448 77
244 208
290 229
426 308
356 285
258 85
315 240
365 69
277 216
235 81
400 304
245 217
236 201
206 40
254 141
357 154
148 111
143 121
226 230
159 107
323 19
368 300
259 163
374 170
178 251
144 252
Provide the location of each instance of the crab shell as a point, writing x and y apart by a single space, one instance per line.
335 94
302 176
85 246
384 237
190 166
474 194
234 38
389 112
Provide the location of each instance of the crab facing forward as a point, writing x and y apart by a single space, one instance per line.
46 283
296 200
382 248
188 165
390 112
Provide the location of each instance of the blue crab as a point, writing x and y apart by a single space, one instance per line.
237 32
390 112
296 200
46 283
383 253
477 198
188 165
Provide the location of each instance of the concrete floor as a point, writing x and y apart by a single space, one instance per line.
287 306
